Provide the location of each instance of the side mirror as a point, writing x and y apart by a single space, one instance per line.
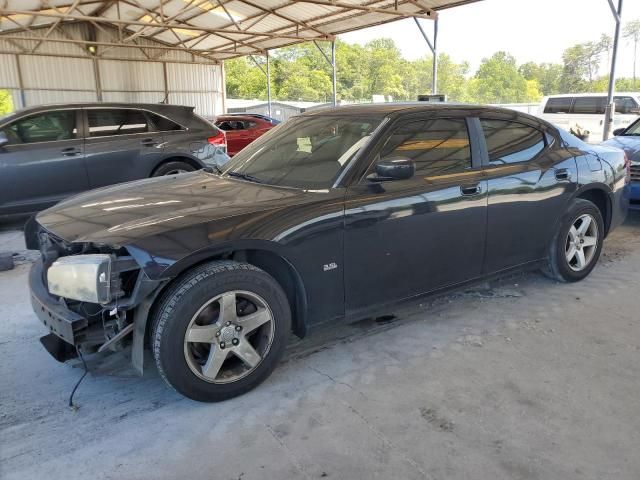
3 139
618 131
393 168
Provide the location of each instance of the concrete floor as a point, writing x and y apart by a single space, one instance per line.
521 379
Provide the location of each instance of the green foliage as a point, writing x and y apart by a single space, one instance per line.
499 81
548 76
301 73
6 102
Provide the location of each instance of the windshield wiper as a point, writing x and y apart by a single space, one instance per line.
245 176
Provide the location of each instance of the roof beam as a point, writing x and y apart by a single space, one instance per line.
115 21
427 13
91 42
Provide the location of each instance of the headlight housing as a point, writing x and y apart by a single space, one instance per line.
86 278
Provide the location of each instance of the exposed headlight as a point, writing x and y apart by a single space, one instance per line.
86 278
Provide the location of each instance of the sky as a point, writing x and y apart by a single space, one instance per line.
531 30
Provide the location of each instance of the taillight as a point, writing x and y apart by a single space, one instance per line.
219 140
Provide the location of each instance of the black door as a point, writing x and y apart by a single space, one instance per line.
407 237
43 161
121 145
530 182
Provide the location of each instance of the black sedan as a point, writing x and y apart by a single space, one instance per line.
334 216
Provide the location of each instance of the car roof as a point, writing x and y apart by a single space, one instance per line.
387 109
227 117
600 94
148 106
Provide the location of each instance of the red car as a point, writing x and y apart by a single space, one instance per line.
241 130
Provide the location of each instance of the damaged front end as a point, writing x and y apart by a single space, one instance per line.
90 297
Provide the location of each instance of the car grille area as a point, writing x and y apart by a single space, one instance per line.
635 173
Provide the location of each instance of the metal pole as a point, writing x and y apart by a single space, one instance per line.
23 101
610 108
268 84
165 76
333 66
434 86
98 81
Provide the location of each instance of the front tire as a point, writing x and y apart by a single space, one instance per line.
220 330
577 245
172 168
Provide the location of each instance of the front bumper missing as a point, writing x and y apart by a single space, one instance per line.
61 322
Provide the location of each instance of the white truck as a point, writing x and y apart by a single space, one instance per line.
585 111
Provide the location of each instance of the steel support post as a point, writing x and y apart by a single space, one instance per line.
610 108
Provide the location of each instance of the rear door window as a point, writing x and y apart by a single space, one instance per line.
511 142
589 105
626 105
558 105
43 127
437 146
110 122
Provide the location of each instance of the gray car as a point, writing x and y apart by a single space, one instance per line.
50 152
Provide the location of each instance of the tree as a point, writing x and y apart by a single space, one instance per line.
632 32
6 102
244 79
548 76
499 81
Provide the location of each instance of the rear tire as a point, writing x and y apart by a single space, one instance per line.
172 168
577 245
220 330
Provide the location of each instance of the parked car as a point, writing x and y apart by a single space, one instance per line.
241 130
50 152
336 215
272 121
628 139
585 111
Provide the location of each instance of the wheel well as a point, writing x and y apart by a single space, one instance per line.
276 266
188 160
287 277
600 199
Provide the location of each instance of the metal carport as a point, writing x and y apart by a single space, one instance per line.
206 31
102 34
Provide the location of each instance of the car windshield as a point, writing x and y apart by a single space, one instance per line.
304 152
633 129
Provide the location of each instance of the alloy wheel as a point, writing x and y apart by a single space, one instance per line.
229 336
582 242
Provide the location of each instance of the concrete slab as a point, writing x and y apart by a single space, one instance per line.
521 379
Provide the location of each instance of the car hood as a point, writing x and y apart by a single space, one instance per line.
122 214
630 144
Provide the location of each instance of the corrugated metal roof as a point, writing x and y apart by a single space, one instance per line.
211 29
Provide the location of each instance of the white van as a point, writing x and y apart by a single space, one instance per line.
586 110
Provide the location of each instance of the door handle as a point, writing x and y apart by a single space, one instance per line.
148 142
71 151
563 175
470 190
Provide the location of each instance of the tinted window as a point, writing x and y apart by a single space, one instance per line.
231 125
438 146
589 105
43 127
510 142
558 105
625 105
163 124
106 122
